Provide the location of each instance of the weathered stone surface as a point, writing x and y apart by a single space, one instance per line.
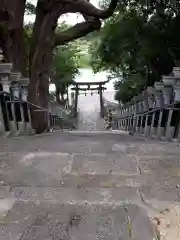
69 221
85 186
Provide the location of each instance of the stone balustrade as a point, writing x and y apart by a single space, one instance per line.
15 110
155 112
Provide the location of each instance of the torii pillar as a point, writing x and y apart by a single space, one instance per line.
101 101
76 99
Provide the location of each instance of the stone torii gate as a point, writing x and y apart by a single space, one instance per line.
79 86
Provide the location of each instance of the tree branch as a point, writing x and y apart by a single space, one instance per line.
79 30
85 7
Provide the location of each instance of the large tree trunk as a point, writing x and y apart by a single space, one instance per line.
40 59
13 42
43 41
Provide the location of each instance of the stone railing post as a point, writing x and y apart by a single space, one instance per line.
125 115
150 92
134 116
128 116
131 117
176 115
25 106
146 109
167 91
15 103
5 69
169 121
137 111
141 110
158 104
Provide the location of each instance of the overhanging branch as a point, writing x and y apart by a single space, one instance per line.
85 7
79 30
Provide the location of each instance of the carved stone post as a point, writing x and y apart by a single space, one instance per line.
131 117
126 117
138 118
146 109
5 69
167 91
15 103
176 113
158 104
134 116
141 110
25 111
123 121
167 116
150 94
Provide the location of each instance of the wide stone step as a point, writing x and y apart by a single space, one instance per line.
76 195
69 170
35 220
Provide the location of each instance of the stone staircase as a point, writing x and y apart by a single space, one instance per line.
88 184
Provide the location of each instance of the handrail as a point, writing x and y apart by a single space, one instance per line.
150 111
32 104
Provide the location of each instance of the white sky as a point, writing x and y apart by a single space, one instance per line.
70 18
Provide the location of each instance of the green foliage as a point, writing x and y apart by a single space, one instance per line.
30 8
65 67
141 43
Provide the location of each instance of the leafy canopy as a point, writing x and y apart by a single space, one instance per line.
139 43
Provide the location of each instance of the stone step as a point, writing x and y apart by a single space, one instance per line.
96 132
78 195
36 220
69 170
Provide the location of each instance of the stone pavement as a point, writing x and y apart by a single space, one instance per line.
89 114
76 185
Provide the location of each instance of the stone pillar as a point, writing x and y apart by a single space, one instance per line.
15 103
128 116
25 112
158 104
177 90
175 120
146 109
131 118
76 99
167 91
169 128
5 69
142 118
137 118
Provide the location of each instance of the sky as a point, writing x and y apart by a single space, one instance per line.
71 18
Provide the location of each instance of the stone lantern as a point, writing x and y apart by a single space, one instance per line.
176 71
136 105
5 69
145 100
177 85
169 82
158 94
151 92
15 86
158 104
139 103
24 88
